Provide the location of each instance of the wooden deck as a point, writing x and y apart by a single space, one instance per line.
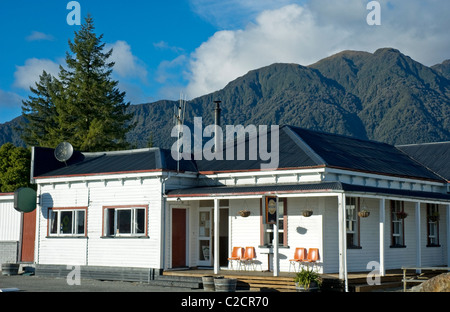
265 281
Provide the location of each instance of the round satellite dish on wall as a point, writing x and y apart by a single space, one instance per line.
25 199
63 151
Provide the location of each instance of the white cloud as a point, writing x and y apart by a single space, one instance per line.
306 33
37 36
10 99
231 14
162 45
126 65
168 70
26 75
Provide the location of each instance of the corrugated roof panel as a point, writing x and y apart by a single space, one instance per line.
355 154
297 148
255 189
290 154
212 191
435 156
96 163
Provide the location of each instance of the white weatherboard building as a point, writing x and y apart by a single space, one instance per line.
10 229
139 209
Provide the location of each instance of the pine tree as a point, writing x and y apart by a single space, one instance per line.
14 167
40 113
83 105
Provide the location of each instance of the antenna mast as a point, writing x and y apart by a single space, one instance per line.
179 113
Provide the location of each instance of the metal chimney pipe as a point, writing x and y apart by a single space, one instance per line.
217 124
217 113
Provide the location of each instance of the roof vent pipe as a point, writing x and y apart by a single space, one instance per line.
217 113
217 125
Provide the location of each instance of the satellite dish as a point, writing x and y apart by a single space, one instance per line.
25 200
63 151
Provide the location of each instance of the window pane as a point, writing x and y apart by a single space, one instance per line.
66 222
350 239
204 224
280 238
204 250
109 222
397 227
80 222
140 221
124 221
396 240
432 229
268 238
54 222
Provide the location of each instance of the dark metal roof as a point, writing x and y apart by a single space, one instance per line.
298 148
301 148
211 191
362 155
256 189
435 156
291 155
151 159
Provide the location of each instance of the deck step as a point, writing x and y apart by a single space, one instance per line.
369 288
191 282
244 282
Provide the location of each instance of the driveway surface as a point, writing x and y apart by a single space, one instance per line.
22 283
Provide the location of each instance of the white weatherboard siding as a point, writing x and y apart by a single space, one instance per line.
246 231
96 250
430 256
330 255
434 256
243 232
10 229
10 219
357 259
303 231
318 231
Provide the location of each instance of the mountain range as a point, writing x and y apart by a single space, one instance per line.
384 96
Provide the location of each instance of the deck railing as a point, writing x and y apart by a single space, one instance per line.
419 269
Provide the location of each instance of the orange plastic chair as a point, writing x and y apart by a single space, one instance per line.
299 257
236 256
313 255
249 256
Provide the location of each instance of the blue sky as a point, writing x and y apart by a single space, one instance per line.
164 48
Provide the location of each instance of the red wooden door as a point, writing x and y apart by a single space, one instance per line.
28 236
178 238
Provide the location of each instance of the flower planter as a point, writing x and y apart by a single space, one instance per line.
313 287
10 268
244 213
307 213
364 214
225 284
402 215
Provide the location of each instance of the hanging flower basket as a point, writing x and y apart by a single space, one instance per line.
434 217
364 213
401 215
244 213
307 213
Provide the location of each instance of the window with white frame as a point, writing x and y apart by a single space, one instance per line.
125 221
67 222
351 219
397 223
433 225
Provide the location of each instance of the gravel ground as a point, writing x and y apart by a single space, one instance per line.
33 283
